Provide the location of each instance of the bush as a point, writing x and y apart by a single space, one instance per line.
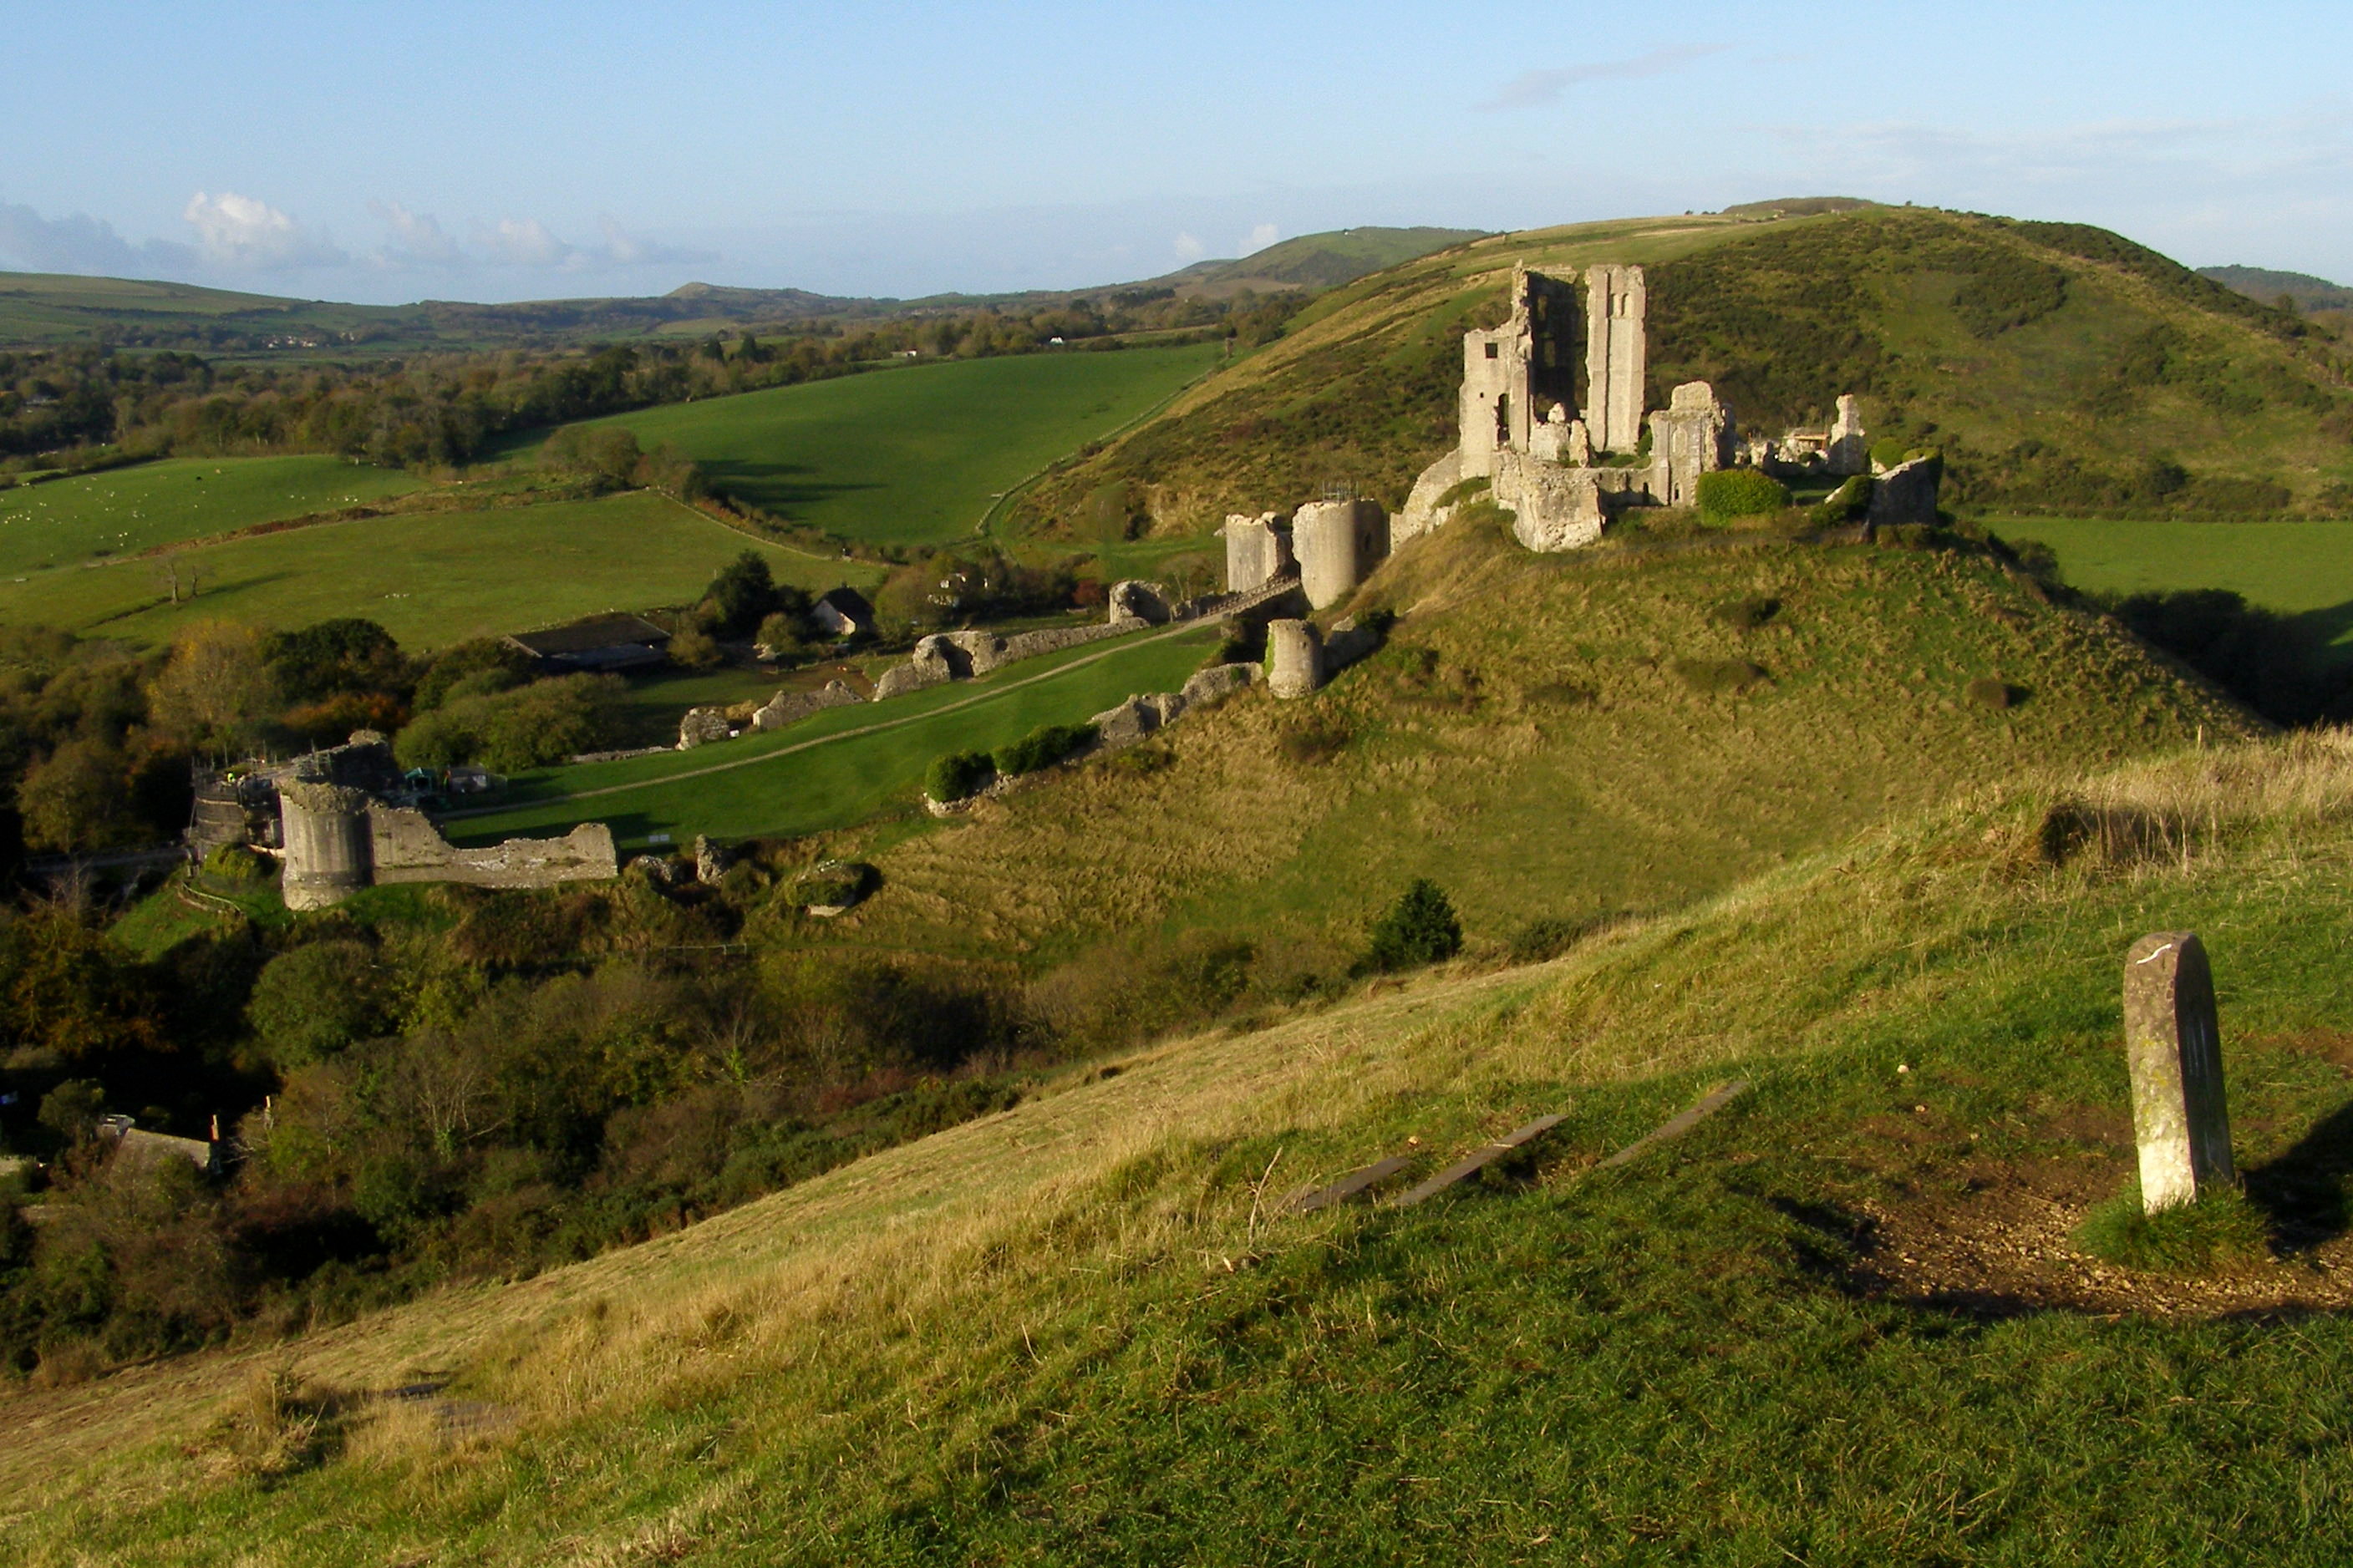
235 865
1851 502
1987 692
694 649
1043 747
1463 490
956 776
1748 614
545 721
317 1001
1889 450
1420 928
1739 492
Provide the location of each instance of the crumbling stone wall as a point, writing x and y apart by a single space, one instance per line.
787 706
1693 435
1258 550
1906 493
406 848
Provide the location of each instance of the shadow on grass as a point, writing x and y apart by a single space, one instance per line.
2302 1192
778 486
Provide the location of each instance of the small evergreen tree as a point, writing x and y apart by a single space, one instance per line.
1419 929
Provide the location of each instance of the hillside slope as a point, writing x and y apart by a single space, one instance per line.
2057 365
1561 737
1843 1321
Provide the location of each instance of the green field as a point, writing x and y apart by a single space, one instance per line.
430 580
793 787
2301 568
914 456
69 522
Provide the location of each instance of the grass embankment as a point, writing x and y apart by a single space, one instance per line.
431 579
2047 360
2301 568
1843 1322
843 766
914 454
70 522
1565 737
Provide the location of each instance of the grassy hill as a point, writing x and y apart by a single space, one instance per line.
1846 1321
2058 367
2304 569
431 579
2262 283
914 454
1553 739
1319 261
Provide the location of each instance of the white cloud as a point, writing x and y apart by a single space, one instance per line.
1258 238
523 242
1530 89
239 232
417 238
82 244
623 248
1189 249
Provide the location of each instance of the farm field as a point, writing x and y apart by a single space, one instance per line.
2301 568
913 456
779 783
69 522
430 580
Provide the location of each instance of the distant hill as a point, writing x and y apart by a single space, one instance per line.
2058 367
53 307
1319 261
1798 206
2309 293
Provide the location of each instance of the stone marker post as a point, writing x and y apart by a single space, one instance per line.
2174 1043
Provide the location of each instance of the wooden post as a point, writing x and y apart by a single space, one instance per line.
2173 1042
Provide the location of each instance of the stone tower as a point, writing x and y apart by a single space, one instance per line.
1617 356
328 841
1338 544
1510 371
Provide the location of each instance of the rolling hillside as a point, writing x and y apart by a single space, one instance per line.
1553 739
2058 367
1846 1321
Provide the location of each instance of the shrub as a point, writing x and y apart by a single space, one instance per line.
1889 450
1739 492
1748 614
545 721
1463 490
1851 502
1987 692
235 865
317 1001
1420 928
1549 937
695 649
956 776
1043 747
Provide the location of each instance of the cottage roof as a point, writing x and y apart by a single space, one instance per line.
849 602
588 635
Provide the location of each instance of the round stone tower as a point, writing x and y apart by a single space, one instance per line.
1294 652
1338 544
324 827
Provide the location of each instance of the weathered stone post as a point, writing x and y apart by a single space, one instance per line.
2173 1042
1294 657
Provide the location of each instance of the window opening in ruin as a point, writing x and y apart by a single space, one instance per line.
1504 420
1490 350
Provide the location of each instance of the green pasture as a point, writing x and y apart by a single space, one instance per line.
2301 568
69 522
866 757
914 454
430 580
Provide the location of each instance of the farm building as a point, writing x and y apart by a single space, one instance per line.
597 643
843 611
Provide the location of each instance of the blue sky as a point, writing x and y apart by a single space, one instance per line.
403 151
